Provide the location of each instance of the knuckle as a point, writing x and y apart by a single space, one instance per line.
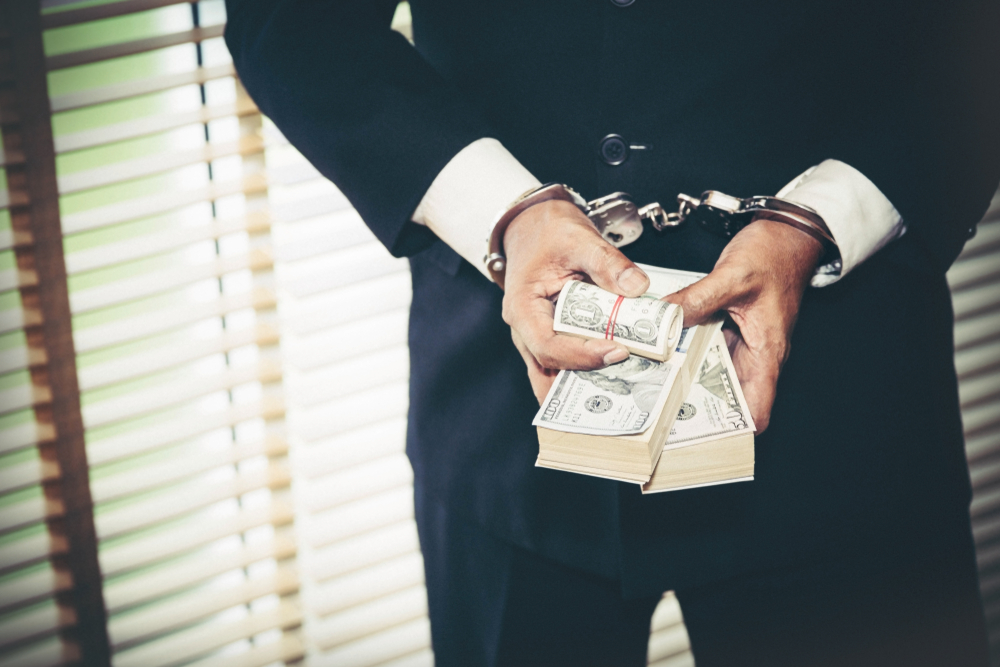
603 257
546 359
507 311
740 274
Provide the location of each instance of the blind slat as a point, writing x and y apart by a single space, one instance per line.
346 414
12 279
348 340
10 199
421 658
357 553
25 435
974 391
104 11
399 641
35 623
348 268
164 280
359 482
17 320
169 394
153 124
976 330
364 372
182 539
179 468
184 500
10 156
357 518
24 396
156 163
183 646
29 550
341 593
11 238
357 447
169 356
111 254
30 512
352 303
192 569
288 649
369 618
130 329
165 202
122 49
20 358
171 614
151 438
121 91
33 587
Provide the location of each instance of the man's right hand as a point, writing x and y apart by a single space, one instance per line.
546 246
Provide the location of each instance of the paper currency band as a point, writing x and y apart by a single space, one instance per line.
495 260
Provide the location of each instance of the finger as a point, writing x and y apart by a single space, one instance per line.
758 376
541 383
541 379
713 293
530 315
613 271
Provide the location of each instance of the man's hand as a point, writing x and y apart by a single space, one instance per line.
548 245
759 281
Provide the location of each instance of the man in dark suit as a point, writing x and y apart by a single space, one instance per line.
852 546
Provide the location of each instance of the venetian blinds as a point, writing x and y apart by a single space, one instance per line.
216 285
975 286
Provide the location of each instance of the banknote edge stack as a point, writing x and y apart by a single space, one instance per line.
629 458
723 459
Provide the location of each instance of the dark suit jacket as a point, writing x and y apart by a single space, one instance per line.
864 455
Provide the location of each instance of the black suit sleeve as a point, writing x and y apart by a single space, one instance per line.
923 108
357 100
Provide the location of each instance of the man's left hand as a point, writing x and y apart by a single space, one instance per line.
759 281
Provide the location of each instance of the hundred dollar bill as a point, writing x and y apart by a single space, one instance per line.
621 399
645 325
715 406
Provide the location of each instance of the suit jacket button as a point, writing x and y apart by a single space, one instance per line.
622 3
613 149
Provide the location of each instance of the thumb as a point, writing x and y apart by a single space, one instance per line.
612 271
702 299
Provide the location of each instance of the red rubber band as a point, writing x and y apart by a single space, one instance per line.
609 332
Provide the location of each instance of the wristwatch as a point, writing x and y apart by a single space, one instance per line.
615 216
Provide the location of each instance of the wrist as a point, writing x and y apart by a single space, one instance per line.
802 250
532 223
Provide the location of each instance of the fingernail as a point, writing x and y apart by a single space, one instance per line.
615 355
633 280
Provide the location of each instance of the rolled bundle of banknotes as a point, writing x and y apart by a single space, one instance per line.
646 326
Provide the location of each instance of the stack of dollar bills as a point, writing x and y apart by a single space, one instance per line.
667 425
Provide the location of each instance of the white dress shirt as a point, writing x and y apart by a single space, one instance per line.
484 178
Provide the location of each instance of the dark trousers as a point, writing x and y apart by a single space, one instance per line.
493 604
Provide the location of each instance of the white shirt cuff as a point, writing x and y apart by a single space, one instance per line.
465 198
859 216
